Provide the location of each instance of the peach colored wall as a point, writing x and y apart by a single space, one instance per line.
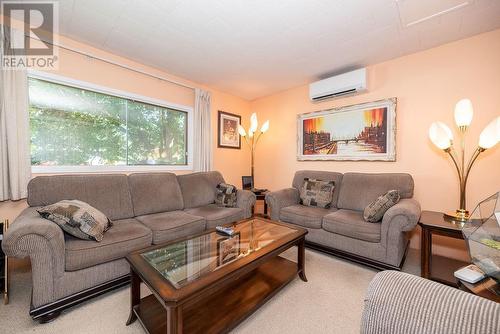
427 85
231 163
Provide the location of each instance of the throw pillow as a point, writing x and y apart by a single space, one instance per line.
77 218
317 193
226 195
375 211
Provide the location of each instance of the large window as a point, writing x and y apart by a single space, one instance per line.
82 129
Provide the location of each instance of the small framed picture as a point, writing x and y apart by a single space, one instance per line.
247 182
228 136
228 249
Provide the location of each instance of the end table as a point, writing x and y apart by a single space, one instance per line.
438 268
261 196
483 288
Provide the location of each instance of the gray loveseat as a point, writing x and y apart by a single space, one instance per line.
145 209
341 229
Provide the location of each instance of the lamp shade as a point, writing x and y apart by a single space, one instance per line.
498 129
440 135
253 123
241 131
490 135
463 112
265 127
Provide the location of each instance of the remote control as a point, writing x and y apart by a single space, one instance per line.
224 230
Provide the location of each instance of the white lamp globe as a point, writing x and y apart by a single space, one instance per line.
498 129
241 131
463 112
253 123
440 135
490 135
265 127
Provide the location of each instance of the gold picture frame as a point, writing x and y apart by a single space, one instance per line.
365 131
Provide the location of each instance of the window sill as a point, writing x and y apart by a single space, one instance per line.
107 169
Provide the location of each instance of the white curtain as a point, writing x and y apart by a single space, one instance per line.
15 162
202 155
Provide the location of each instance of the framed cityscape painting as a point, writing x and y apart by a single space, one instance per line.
228 136
360 132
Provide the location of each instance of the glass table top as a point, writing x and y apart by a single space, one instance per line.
185 261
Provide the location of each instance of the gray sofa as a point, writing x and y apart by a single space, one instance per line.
399 303
341 229
145 208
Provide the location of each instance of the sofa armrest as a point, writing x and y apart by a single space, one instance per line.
398 219
43 241
277 200
245 199
403 216
397 302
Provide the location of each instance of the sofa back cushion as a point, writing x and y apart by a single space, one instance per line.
109 193
199 189
155 192
300 175
360 189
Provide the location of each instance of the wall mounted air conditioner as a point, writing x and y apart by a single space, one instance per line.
340 85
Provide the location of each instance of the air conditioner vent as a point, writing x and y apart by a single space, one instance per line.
340 85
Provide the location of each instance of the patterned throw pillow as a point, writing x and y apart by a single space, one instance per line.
226 195
77 218
375 211
317 193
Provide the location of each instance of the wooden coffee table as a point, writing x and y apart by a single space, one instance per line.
209 283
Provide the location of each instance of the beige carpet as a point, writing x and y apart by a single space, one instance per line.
331 302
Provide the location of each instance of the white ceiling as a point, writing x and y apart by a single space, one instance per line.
255 48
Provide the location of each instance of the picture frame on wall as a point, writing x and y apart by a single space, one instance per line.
247 182
358 132
227 130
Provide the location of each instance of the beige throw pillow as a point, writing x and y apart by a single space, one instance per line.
226 195
317 193
77 218
375 211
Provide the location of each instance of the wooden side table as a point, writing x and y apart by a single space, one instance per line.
482 288
261 196
438 268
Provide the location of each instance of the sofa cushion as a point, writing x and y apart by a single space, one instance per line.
155 192
125 236
351 224
77 218
360 189
306 216
198 189
300 175
226 195
108 193
215 215
317 193
375 211
167 226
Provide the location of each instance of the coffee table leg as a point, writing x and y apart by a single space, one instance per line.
135 295
174 320
301 260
